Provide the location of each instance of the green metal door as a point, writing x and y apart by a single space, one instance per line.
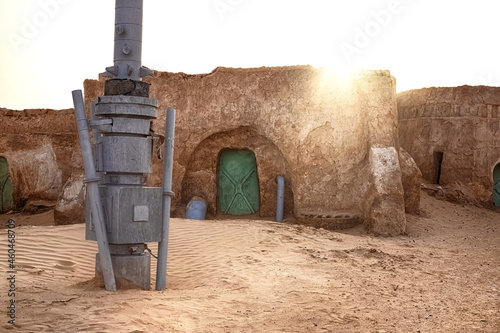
496 186
6 202
238 182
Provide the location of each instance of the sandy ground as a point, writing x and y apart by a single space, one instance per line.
254 276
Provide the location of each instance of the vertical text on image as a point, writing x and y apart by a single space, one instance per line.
11 271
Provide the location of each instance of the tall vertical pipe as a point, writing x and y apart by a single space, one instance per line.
281 199
128 41
93 191
161 269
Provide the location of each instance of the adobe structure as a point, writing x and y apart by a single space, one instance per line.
41 161
333 139
453 134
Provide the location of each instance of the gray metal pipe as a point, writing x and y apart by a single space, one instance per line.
168 162
93 191
281 199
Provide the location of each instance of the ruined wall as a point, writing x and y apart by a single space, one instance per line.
334 139
41 147
463 123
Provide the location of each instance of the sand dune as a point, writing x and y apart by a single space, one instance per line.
254 276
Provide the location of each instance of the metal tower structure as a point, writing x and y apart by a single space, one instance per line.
122 214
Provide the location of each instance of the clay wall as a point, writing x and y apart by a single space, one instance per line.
334 140
42 150
462 123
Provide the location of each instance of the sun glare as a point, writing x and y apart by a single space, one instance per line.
340 78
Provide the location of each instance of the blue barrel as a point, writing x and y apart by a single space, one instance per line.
196 210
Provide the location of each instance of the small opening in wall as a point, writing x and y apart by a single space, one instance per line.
496 185
438 162
6 201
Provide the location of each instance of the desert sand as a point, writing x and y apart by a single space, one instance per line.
260 276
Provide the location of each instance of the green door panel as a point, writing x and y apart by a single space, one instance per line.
496 186
238 182
6 202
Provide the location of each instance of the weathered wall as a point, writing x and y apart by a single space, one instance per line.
41 147
334 139
464 124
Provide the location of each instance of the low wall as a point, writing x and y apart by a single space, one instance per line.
42 150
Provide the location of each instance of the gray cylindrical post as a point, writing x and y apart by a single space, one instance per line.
128 42
161 269
93 191
281 198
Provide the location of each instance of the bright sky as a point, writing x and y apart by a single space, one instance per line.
49 47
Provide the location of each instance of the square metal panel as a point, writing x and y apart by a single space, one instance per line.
133 214
141 213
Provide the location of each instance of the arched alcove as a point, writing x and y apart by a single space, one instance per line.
201 177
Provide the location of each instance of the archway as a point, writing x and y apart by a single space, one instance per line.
6 201
201 179
496 186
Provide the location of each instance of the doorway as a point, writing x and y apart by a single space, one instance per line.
238 182
438 162
6 202
496 186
